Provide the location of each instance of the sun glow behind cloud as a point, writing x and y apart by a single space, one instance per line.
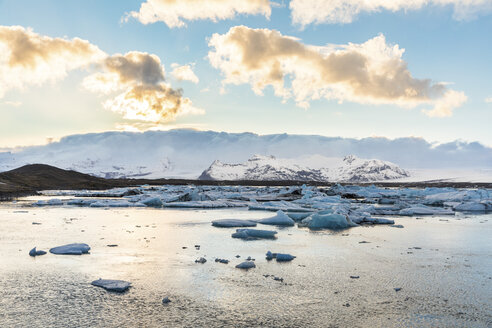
137 77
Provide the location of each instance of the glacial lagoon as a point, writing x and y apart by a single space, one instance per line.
430 270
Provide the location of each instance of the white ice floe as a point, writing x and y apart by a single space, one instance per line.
251 234
424 210
280 219
119 286
206 204
115 203
49 202
233 223
71 249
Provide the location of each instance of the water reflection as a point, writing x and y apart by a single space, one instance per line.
445 282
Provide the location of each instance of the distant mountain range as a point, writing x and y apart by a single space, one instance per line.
316 168
187 153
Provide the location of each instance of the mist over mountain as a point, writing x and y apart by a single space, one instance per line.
187 153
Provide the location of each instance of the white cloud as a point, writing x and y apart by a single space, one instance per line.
32 59
306 12
13 103
144 94
174 13
184 73
369 73
488 100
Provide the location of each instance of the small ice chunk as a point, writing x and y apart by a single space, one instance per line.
166 300
280 219
33 252
112 285
71 249
250 234
396 226
246 265
270 256
378 221
233 223
201 260
284 257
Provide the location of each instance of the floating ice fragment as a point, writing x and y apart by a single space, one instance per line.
166 300
246 265
251 234
328 221
378 221
152 202
280 219
284 257
424 210
201 260
71 249
33 252
470 207
112 285
233 223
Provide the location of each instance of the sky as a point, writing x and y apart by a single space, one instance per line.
349 68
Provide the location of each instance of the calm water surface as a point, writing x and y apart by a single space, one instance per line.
445 283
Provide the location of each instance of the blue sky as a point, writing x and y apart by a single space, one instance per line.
437 46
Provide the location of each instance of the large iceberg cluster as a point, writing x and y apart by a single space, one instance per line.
336 207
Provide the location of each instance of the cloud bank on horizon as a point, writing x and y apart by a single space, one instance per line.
369 73
189 152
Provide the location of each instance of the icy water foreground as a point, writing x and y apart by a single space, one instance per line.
443 265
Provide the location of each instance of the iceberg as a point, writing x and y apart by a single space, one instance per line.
328 221
233 223
471 207
252 234
281 219
71 249
152 202
119 286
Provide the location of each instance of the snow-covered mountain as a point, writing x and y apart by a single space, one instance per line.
187 153
314 168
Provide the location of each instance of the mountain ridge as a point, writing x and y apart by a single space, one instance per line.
347 169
